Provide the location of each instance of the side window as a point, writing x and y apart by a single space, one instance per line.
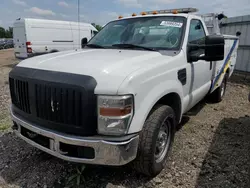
196 32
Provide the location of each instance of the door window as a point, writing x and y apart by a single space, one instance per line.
196 32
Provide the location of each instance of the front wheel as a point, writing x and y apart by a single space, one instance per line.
156 140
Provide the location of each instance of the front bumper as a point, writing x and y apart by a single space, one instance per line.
115 153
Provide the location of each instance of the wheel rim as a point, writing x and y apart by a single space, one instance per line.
223 85
163 141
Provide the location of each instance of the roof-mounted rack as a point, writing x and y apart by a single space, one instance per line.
168 11
179 10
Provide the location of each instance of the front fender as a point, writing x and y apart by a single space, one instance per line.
146 99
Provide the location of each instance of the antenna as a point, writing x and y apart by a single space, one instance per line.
79 23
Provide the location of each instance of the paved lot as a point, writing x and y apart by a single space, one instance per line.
212 149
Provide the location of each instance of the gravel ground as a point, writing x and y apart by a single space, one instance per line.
7 61
211 149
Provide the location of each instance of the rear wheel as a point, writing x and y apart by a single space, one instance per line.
156 140
53 51
219 93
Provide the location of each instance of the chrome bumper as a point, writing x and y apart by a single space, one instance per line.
105 152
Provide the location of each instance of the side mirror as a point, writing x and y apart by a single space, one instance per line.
213 50
84 42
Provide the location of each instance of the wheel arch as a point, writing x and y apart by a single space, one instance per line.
169 92
174 101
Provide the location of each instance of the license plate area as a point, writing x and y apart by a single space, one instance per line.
39 139
65 149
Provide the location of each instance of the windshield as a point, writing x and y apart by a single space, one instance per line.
156 32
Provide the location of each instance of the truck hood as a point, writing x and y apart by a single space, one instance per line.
108 66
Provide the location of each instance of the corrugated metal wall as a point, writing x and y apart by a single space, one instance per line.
230 26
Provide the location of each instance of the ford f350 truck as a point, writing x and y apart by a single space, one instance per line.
120 98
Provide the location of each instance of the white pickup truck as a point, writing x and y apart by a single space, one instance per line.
119 99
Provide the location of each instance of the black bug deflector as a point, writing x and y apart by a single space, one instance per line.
59 101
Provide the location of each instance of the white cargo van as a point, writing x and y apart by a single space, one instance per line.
36 36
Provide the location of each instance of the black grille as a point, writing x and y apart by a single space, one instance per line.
64 102
61 105
19 91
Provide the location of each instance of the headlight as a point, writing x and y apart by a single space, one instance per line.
114 114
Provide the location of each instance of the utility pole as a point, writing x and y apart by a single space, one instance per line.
79 40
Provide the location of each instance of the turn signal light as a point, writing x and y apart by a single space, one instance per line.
115 111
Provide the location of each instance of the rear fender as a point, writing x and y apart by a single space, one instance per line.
227 65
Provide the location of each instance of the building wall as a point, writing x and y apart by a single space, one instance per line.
230 26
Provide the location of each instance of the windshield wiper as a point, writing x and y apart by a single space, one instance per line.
133 46
94 46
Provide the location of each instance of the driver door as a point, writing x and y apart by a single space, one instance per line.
201 71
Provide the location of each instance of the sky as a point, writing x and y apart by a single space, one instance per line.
103 11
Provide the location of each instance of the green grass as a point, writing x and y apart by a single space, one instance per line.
76 180
5 122
4 127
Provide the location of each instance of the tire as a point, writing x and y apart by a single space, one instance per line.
218 95
53 51
150 161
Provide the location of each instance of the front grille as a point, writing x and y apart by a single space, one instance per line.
60 105
63 102
19 91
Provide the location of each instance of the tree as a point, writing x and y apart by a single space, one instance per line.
2 32
8 33
98 27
